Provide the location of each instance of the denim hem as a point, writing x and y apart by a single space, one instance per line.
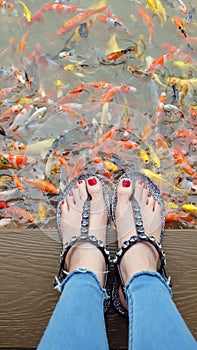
83 271
148 273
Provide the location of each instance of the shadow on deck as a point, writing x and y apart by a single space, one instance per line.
29 262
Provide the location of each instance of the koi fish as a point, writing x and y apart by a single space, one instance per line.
11 112
139 72
160 108
172 110
182 7
148 21
177 217
23 41
98 84
182 161
153 6
113 20
190 208
144 155
114 56
180 27
160 61
21 214
17 161
4 205
154 157
42 185
27 12
17 181
107 97
190 15
78 19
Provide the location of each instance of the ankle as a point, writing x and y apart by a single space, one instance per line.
141 257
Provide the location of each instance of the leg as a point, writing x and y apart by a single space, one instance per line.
78 319
154 321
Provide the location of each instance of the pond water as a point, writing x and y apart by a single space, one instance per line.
113 89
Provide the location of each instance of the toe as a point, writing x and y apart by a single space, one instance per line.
94 188
82 189
124 189
138 191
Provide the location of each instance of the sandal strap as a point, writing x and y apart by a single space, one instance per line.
74 240
142 237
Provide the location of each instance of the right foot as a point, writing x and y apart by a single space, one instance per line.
142 256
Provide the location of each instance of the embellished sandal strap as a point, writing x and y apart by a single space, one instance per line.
84 237
142 237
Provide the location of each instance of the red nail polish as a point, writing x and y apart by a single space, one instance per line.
75 187
145 187
140 182
63 202
126 183
92 181
149 195
70 194
159 203
80 181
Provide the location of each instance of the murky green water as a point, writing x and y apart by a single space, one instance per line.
42 82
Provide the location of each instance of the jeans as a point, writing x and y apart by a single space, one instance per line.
78 323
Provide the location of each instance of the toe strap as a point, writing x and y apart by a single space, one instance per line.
74 240
142 237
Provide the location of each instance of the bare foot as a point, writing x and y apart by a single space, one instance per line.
142 256
85 255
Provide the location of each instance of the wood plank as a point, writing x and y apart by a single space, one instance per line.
29 261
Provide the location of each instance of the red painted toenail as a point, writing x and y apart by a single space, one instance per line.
80 181
63 202
92 181
140 182
149 195
145 187
70 194
159 203
75 187
126 183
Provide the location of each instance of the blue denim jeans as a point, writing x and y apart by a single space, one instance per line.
78 323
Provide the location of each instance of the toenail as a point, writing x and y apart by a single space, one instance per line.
92 181
145 187
80 181
70 194
126 183
63 202
75 187
159 203
149 195
140 182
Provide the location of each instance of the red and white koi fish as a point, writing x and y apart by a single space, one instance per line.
19 213
160 61
11 112
96 85
21 117
78 19
53 7
182 7
18 161
114 20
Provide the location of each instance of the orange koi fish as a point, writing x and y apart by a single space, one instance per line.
17 182
176 216
182 161
148 21
139 72
78 168
21 214
5 92
42 185
23 41
160 61
78 19
65 108
160 108
18 161
11 112
160 141
107 97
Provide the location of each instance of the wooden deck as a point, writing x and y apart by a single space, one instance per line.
29 262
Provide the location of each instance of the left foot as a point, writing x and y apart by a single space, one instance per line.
85 255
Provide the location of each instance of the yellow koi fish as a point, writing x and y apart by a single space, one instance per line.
144 155
26 11
153 6
154 157
190 207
